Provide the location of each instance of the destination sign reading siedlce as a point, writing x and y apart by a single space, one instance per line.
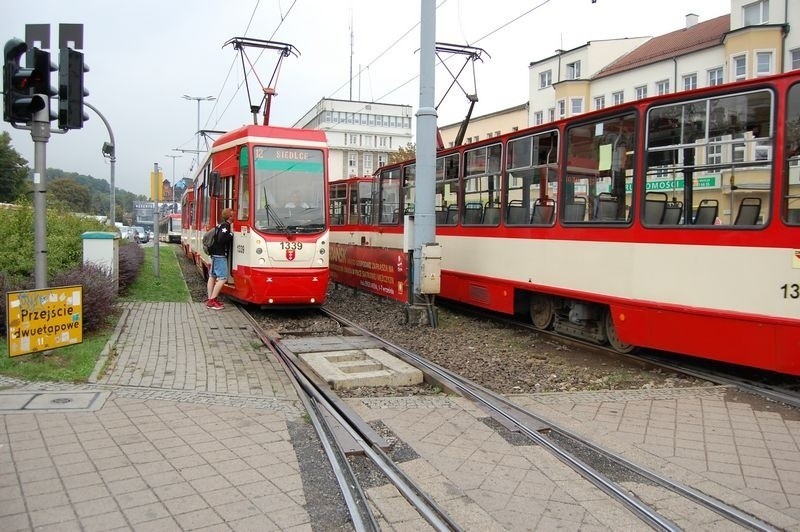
40 320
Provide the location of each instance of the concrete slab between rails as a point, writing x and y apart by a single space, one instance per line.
353 368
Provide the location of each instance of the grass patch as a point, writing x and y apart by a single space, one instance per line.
169 286
76 362
69 364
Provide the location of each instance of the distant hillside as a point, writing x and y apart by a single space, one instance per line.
99 191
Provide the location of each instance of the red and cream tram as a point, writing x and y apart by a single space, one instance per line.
275 181
670 223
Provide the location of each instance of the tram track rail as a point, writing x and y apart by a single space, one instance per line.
330 417
568 446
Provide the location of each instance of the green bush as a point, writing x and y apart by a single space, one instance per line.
99 293
131 257
9 283
64 243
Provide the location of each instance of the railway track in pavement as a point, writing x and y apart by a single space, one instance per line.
597 465
342 432
648 495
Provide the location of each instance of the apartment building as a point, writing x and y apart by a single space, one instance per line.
755 39
487 126
361 135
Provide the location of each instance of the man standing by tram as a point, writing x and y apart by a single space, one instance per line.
219 251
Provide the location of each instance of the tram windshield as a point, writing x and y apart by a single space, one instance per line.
289 189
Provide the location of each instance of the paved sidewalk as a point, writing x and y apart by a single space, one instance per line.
193 426
194 435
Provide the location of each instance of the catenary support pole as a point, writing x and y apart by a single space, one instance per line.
424 221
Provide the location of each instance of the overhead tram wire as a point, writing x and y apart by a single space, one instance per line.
414 78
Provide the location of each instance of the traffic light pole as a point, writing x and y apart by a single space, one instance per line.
109 150
155 227
40 133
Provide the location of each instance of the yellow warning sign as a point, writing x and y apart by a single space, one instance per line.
39 320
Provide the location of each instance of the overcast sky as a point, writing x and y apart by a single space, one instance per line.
145 55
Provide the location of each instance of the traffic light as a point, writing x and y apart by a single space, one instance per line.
20 99
70 89
42 67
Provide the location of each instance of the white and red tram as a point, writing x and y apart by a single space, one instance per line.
670 223
275 181
169 229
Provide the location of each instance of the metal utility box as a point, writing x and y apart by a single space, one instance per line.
102 249
430 277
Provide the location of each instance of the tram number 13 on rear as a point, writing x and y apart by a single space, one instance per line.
791 291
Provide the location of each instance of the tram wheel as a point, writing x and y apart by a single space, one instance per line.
613 337
541 311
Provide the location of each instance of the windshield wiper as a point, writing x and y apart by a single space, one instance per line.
279 223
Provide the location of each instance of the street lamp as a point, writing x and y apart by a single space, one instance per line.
173 157
198 99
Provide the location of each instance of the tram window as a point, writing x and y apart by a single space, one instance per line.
338 206
481 181
716 149
447 188
531 176
600 166
244 185
409 187
791 187
389 197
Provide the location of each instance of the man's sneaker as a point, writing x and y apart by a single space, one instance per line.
215 305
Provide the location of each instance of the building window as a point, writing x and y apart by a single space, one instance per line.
382 158
551 114
574 70
545 79
763 63
756 13
575 106
562 108
662 87
715 77
538 118
599 102
352 163
383 141
795 59
689 82
739 67
641 92
368 163
618 97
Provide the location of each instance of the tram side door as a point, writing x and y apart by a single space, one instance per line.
226 193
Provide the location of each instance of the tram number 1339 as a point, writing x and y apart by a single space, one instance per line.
292 245
791 291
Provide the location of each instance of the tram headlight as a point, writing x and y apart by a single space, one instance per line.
259 251
321 251
262 261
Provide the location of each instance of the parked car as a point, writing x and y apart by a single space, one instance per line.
139 232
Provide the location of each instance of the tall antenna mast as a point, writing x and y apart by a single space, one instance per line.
351 55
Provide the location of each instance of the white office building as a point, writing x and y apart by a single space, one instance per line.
361 135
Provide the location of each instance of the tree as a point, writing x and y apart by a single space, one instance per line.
13 172
77 198
403 153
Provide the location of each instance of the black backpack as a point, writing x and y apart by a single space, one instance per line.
209 239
